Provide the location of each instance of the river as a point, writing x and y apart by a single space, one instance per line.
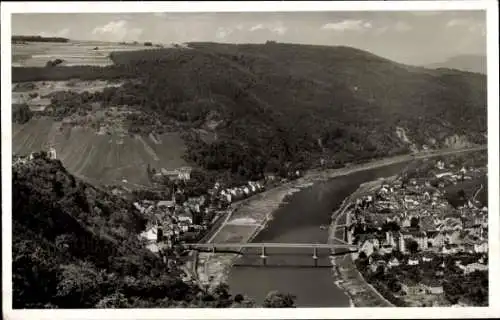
298 221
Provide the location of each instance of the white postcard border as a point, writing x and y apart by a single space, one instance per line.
258 313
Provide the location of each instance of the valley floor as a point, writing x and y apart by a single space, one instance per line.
251 216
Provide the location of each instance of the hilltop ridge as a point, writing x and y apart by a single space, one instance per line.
251 108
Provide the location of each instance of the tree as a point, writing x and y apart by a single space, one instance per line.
461 194
452 290
115 300
413 246
241 302
79 285
238 298
394 285
379 273
391 226
276 299
414 222
222 296
21 113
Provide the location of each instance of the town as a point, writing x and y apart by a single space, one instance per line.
181 217
422 235
424 240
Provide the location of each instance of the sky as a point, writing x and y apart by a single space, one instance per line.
413 37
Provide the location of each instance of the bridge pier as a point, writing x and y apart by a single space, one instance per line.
263 255
315 256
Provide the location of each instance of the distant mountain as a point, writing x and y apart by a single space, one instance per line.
16 39
469 63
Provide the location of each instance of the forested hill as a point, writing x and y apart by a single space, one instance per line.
75 246
255 107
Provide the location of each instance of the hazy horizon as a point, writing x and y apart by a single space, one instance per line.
416 38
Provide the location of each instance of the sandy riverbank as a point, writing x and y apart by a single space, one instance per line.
242 225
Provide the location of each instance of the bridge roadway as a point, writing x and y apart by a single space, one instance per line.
236 247
270 245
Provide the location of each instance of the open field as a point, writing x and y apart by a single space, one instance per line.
33 93
36 54
106 158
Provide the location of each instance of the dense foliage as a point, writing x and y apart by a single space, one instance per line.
38 39
257 108
21 113
457 287
75 246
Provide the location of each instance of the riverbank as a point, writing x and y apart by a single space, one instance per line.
244 221
252 215
349 279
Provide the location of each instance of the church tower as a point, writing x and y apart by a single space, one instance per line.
52 153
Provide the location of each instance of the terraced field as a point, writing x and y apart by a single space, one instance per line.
101 158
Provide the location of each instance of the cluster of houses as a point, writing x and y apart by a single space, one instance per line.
439 227
230 195
171 222
419 213
19 160
179 174
446 175
432 286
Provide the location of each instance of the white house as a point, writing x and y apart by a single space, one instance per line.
394 262
434 289
473 267
481 247
369 246
151 235
427 259
166 204
443 174
52 153
246 190
185 218
440 165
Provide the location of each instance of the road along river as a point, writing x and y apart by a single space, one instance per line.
299 220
